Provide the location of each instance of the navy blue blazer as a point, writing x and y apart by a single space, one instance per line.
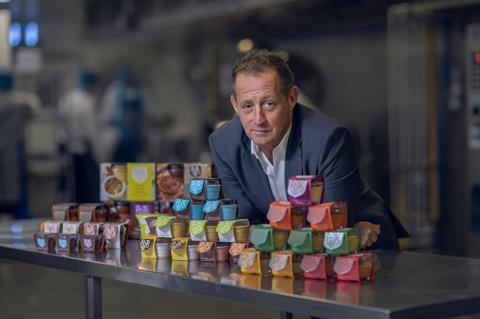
318 145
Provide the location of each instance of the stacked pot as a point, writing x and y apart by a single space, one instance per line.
306 236
203 226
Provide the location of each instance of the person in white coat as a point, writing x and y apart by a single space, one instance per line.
78 113
121 117
16 108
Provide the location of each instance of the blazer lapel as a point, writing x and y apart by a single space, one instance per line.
293 157
252 165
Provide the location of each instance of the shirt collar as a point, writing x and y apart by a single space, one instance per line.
282 146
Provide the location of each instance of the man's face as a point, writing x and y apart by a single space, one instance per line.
264 110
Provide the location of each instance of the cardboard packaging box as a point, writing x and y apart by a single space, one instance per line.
141 182
169 181
113 182
196 171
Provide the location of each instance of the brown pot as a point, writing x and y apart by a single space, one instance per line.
265 263
101 215
296 262
338 216
123 210
221 253
280 238
317 241
192 252
353 242
329 263
365 266
299 216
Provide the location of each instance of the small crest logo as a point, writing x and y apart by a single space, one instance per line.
278 262
142 209
87 242
343 265
246 259
145 244
195 170
90 229
139 174
176 245
297 188
51 227
41 242
69 229
62 243
110 232
333 240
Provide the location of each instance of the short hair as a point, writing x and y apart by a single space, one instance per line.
258 60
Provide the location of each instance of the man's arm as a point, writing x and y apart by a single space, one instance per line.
343 183
231 187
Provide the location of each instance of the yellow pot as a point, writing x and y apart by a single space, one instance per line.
179 229
212 235
241 233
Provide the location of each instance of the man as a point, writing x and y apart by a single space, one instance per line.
16 109
122 119
273 137
78 113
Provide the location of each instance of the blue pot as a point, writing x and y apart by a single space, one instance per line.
229 212
212 192
197 212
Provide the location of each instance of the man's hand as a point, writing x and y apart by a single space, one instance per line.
368 233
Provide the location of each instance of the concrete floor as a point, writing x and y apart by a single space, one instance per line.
29 291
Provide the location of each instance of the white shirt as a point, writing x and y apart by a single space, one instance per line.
77 109
275 171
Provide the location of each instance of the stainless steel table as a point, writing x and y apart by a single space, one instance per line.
408 285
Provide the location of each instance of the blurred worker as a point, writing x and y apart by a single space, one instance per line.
15 109
78 113
121 119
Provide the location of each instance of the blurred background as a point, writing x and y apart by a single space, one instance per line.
86 81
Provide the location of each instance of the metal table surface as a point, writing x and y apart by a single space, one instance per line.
407 285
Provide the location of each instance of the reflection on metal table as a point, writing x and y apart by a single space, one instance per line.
408 285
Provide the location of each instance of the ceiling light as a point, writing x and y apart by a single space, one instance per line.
245 45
